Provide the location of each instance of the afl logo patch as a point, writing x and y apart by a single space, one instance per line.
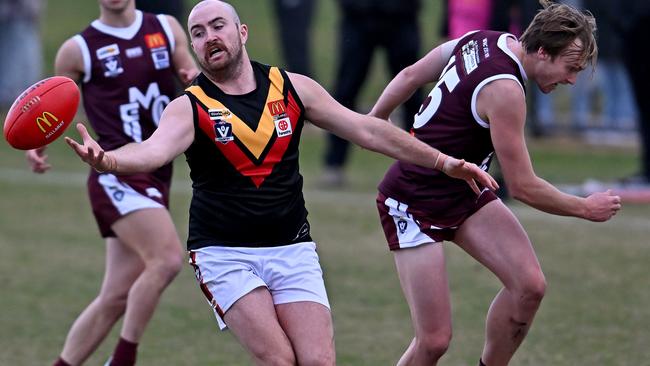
223 132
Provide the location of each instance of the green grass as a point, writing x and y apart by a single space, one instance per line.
595 312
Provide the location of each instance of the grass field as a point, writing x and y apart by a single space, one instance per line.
596 311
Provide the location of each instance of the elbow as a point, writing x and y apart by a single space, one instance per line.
519 192
409 76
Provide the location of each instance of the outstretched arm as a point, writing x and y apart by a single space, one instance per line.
503 104
173 136
378 135
407 81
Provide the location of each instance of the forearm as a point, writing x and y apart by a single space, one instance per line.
389 140
397 92
543 196
133 158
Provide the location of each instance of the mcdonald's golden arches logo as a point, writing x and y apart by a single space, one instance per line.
276 107
46 118
155 40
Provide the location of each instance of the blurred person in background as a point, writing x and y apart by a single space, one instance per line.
606 110
631 18
466 15
175 8
477 110
21 58
126 62
294 19
365 26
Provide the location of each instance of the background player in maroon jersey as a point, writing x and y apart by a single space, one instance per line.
126 62
230 120
476 109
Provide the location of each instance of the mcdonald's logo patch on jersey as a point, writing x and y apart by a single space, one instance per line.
155 40
276 108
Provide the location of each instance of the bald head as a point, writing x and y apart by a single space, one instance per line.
212 7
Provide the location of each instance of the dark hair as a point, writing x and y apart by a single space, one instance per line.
558 26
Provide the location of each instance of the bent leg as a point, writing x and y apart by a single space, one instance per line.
494 237
423 276
310 330
254 322
91 327
151 234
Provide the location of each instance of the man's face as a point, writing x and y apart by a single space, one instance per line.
217 39
563 69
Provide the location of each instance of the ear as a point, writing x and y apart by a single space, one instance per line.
243 33
542 54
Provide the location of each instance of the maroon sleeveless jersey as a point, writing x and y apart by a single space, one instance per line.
128 79
448 121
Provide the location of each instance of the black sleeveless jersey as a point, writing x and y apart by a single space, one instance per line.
247 190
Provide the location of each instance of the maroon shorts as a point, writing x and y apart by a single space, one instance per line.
405 227
114 196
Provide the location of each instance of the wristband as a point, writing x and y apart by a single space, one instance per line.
440 161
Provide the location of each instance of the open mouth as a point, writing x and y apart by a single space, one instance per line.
214 51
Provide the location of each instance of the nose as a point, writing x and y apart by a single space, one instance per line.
210 35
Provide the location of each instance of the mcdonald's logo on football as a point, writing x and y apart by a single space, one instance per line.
45 119
155 40
276 107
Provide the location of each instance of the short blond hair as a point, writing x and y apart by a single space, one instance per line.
557 26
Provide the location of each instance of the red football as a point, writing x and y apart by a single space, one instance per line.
41 113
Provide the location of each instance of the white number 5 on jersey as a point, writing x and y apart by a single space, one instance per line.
449 79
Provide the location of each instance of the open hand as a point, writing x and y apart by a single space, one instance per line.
90 152
470 173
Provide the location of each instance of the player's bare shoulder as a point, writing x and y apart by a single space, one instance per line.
69 60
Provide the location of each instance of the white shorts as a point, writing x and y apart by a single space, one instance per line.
291 273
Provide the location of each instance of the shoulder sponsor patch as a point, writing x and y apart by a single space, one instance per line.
469 51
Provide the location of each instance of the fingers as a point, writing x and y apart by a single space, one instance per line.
473 186
83 132
75 146
484 178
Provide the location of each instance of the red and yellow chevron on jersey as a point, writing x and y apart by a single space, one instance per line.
256 150
244 163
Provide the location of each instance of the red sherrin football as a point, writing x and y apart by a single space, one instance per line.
41 113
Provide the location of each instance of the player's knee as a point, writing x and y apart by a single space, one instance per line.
275 357
533 290
435 345
323 357
167 266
